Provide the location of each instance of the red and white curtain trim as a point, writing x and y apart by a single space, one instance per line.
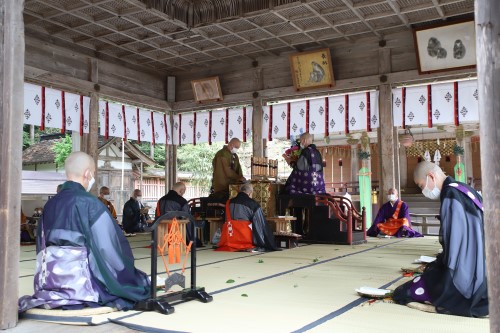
436 104
347 113
219 125
47 107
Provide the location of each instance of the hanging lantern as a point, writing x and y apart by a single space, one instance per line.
406 139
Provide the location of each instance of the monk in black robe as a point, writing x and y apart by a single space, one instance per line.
455 283
83 257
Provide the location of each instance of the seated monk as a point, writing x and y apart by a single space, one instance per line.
393 218
245 227
83 258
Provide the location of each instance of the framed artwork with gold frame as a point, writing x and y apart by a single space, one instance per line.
445 47
207 89
312 69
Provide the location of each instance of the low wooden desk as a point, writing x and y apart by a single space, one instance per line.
163 230
282 223
215 223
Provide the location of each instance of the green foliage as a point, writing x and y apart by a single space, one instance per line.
159 152
62 149
458 150
197 159
363 155
230 281
26 140
244 295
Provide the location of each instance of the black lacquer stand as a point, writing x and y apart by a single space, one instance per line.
161 303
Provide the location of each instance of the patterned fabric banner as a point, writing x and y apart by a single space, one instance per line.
297 118
374 117
102 117
187 128
235 124
248 123
336 113
202 127
317 116
266 121
73 111
280 121
131 122
358 105
218 125
175 129
416 106
397 106
32 104
468 107
160 128
53 108
146 126
115 120
443 110
86 115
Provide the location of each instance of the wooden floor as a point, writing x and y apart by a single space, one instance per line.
310 288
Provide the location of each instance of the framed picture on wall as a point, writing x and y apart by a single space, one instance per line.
312 69
445 47
206 90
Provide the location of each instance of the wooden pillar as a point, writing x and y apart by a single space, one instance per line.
488 45
469 172
257 142
354 159
403 168
11 138
170 160
92 145
386 140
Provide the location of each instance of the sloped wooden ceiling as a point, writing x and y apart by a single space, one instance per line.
179 35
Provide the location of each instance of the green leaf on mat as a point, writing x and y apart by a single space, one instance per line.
230 281
315 260
260 261
295 285
244 295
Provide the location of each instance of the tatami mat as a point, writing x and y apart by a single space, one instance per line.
306 288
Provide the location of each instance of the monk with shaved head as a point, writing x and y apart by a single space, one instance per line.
83 257
455 283
226 169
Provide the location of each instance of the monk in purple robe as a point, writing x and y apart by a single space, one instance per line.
393 218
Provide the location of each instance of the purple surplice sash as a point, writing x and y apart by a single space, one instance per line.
468 194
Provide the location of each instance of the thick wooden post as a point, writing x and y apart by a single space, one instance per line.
257 142
92 145
11 129
488 70
386 143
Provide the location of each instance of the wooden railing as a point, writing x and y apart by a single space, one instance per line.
343 209
350 187
424 224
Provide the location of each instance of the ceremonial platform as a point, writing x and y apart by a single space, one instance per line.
308 288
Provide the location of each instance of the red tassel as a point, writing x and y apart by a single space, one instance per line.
153 129
244 124
124 124
63 112
288 107
368 112
180 129
429 106
106 122
81 115
307 115
194 128
270 134
166 127
227 126
346 114
210 127
403 97
138 127
327 116
42 125
455 103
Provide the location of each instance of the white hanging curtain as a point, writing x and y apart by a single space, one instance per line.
416 106
102 117
32 104
374 117
218 125
160 133
336 114
280 121
53 108
235 123
317 113
266 121
297 118
202 127
73 111
443 103
175 130
358 105
468 105
187 128
145 126
131 122
86 114
248 124
397 107
116 126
